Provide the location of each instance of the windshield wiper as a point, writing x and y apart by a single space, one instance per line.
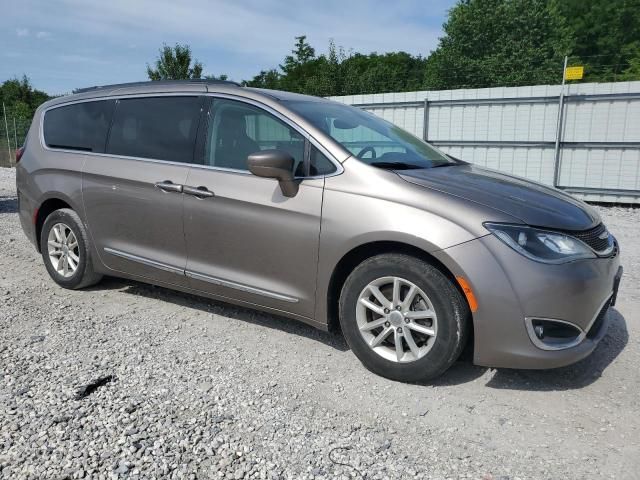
395 165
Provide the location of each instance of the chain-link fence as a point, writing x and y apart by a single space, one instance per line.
12 134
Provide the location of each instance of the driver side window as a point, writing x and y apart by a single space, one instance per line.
237 129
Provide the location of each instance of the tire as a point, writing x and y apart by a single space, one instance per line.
83 275
433 354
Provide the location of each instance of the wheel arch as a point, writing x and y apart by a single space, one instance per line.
46 208
358 254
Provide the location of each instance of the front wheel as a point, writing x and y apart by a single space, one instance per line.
403 318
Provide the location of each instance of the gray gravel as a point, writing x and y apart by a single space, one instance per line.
198 389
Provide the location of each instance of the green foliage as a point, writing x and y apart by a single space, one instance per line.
339 73
299 67
486 43
498 42
389 72
265 79
490 43
222 77
20 98
21 101
603 35
174 63
632 68
302 53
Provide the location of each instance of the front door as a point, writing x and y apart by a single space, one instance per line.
132 195
245 240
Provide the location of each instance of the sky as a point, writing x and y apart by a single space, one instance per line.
66 44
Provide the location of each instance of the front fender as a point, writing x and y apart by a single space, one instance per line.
350 221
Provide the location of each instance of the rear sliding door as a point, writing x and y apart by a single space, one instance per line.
132 193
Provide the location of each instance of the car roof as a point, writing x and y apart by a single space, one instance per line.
178 86
162 83
286 96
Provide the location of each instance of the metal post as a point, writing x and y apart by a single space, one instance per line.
6 126
556 155
425 122
15 136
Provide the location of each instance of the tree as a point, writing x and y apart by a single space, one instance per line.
265 79
604 36
632 71
522 42
302 54
486 43
498 42
21 91
326 73
339 73
375 73
174 63
21 101
222 77
295 71
297 68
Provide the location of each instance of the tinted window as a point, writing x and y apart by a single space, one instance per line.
237 129
320 164
162 128
82 126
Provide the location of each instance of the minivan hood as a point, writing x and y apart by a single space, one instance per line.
530 202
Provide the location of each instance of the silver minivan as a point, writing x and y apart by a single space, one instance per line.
320 212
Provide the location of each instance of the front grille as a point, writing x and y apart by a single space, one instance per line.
592 237
597 325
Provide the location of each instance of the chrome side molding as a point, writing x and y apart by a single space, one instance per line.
200 276
240 286
144 261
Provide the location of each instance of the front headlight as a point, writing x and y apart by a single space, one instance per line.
541 245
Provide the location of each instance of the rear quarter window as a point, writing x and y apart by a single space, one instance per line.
161 128
81 126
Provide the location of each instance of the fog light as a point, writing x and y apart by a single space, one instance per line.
539 330
552 334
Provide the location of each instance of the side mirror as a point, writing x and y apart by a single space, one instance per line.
276 164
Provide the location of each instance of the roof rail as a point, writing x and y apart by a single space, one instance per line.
156 82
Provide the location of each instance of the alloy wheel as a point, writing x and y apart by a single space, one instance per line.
64 251
396 319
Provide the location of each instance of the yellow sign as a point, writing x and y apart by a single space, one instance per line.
574 73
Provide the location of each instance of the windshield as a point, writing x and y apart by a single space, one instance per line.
370 138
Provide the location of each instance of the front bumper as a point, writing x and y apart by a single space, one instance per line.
510 288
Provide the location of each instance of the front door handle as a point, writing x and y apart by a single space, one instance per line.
169 186
200 192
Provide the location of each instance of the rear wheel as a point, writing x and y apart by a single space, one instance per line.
65 250
403 318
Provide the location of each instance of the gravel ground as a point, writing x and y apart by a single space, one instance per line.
192 388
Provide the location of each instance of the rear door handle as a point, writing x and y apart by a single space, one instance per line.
200 192
169 186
